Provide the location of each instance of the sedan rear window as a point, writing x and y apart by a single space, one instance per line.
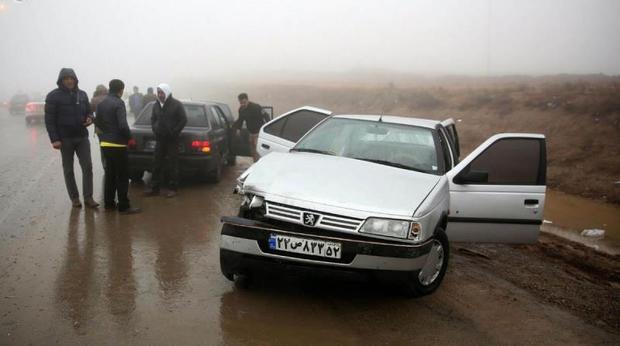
402 146
196 116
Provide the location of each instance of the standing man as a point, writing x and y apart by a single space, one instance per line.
112 122
149 97
135 102
254 117
67 114
168 120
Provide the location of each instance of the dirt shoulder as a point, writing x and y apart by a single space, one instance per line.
557 271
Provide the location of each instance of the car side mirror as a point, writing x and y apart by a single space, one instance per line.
472 177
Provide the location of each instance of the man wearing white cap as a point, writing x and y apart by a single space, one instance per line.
168 120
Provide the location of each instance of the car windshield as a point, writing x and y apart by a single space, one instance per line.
196 116
401 146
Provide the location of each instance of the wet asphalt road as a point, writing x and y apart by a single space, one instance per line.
76 276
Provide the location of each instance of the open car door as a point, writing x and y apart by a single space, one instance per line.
281 133
453 136
241 143
497 193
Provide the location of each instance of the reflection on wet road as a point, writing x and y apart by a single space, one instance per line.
96 277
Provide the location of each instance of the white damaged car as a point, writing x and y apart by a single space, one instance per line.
381 195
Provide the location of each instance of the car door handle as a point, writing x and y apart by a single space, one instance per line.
531 203
265 146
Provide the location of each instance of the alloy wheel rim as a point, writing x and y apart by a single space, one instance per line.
434 263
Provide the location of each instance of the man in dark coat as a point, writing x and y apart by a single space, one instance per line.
168 120
252 114
67 114
114 136
135 102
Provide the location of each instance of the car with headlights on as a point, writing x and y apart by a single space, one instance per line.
383 196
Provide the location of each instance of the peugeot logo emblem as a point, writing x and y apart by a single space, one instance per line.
310 219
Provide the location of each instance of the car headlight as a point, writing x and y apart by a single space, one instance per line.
392 228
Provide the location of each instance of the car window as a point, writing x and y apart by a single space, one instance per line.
299 123
219 115
213 120
275 128
196 116
513 161
403 146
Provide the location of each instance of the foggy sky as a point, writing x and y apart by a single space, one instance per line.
146 42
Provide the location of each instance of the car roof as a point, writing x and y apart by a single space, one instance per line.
200 103
431 124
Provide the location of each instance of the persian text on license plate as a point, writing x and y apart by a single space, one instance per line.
304 246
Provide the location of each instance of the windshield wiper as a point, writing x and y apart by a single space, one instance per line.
391 164
316 151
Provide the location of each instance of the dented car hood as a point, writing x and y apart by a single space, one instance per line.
339 182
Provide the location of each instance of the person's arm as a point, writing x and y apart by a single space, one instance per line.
51 115
121 118
237 125
181 121
88 120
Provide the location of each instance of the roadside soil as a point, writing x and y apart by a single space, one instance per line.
556 271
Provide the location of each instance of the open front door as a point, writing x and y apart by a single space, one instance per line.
281 133
497 193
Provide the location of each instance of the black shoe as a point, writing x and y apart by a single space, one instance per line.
130 210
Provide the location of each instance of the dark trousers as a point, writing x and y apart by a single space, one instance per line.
81 147
116 181
166 161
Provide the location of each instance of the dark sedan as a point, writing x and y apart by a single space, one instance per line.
207 142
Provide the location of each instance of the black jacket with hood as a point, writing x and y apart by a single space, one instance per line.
66 110
111 120
168 120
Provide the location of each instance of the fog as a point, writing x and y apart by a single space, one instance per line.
146 42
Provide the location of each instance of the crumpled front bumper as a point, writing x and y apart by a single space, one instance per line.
248 239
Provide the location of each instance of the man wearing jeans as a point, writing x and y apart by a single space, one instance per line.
112 122
67 114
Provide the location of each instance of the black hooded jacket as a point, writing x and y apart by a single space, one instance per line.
66 110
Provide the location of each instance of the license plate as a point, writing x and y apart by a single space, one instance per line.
305 246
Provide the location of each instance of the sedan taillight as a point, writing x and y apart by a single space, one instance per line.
203 146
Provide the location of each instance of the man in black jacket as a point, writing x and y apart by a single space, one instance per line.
168 120
114 135
67 114
252 114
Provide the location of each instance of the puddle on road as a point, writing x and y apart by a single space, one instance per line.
570 215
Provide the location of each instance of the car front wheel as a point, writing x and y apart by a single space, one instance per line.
428 279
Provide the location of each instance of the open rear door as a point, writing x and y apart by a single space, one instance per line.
281 133
497 193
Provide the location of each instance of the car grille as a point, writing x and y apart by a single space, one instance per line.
325 221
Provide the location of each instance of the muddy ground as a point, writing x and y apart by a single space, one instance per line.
70 276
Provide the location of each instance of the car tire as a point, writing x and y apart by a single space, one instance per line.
428 279
243 281
216 174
